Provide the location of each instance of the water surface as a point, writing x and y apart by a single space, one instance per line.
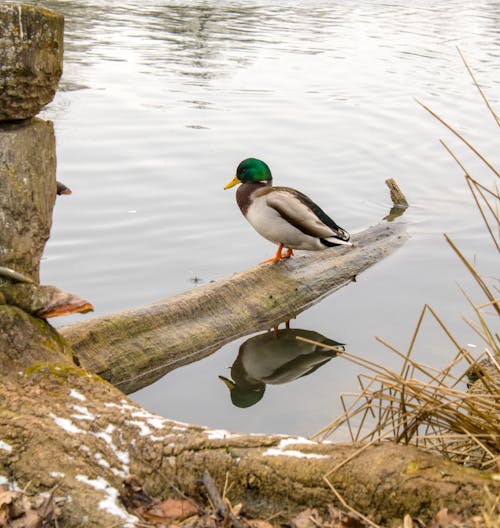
158 103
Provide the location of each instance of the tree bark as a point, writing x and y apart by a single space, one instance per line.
132 349
27 193
31 59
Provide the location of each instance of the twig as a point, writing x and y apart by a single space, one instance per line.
220 505
49 502
474 273
492 235
449 127
485 99
350 508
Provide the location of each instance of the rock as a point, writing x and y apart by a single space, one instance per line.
31 59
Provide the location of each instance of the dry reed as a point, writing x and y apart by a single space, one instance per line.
454 410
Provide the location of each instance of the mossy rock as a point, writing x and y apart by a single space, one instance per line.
31 59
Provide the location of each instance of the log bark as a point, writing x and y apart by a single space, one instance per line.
134 348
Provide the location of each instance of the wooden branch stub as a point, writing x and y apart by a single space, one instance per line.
397 196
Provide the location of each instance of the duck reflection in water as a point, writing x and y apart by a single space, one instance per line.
276 358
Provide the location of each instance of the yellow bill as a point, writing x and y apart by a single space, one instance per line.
232 183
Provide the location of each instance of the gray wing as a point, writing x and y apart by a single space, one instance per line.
300 211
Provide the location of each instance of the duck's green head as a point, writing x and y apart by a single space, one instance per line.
251 170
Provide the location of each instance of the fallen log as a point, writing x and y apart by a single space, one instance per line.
133 348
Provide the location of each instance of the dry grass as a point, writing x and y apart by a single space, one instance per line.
427 407
454 410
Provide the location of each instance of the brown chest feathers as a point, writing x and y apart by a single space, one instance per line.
245 191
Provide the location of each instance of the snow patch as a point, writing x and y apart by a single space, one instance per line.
75 394
144 430
11 486
5 446
181 426
281 450
84 413
156 422
102 461
142 413
56 474
118 472
126 406
110 429
122 456
105 435
67 425
295 440
153 420
220 434
178 428
110 503
155 438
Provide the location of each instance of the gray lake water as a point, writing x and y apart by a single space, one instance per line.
158 103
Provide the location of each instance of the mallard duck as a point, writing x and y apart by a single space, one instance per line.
276 359
283 215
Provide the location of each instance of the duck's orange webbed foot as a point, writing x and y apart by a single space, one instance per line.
288 253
